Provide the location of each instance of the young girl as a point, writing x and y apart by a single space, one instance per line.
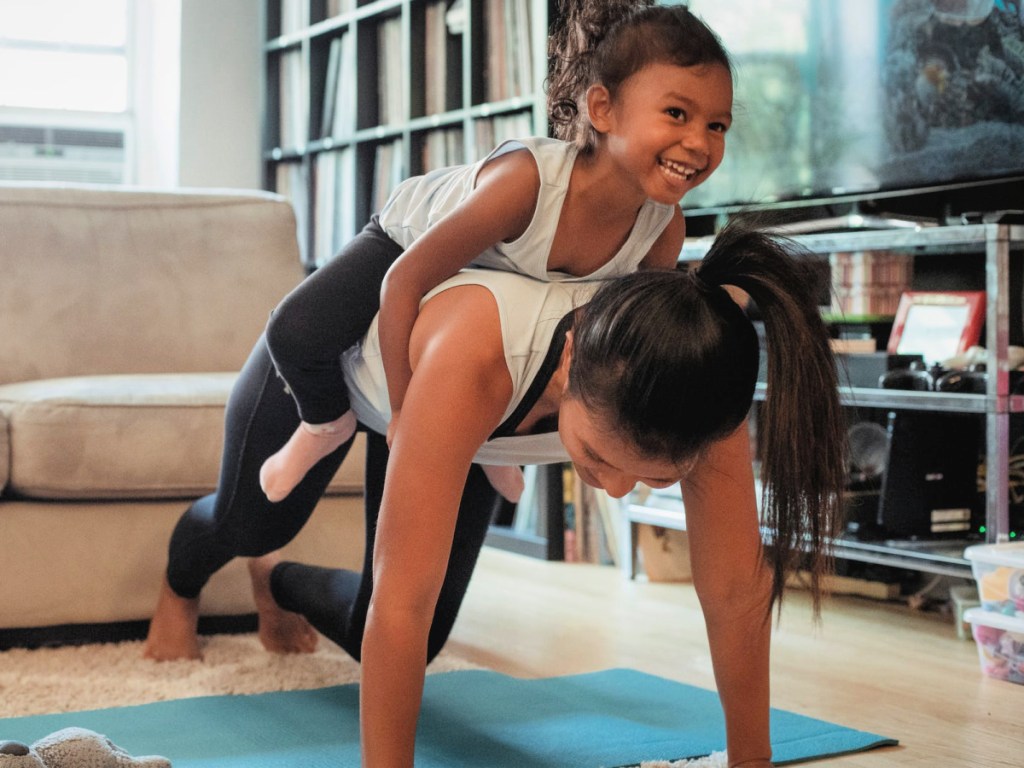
641 99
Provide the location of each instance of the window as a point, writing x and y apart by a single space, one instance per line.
66 97
68 55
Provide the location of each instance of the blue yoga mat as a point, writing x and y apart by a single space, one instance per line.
470 719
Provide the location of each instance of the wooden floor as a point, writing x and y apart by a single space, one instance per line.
872 666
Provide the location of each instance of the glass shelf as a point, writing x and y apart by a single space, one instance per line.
939 556
965 238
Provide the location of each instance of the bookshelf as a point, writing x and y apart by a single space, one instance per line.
360 95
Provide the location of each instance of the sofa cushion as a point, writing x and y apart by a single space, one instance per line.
100 280
121 436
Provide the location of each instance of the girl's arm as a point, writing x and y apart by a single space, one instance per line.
664 254
457 395
500 208
734 587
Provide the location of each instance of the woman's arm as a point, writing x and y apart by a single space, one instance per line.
500 208
734 587
459 390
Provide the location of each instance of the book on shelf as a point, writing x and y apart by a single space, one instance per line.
509 49
292 115
336 121
869 282
593 520
587 531
522 49
334 216
494 20
330 88
569 512
291 182
442 147
435 75
338 7
388 171
489 132
853 346
294 15
391 107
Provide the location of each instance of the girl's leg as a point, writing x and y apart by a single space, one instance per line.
236 520
336 601
508 481
307 445
325 315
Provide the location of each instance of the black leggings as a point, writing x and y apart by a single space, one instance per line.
325 315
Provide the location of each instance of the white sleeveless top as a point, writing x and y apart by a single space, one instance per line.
533 316
420 202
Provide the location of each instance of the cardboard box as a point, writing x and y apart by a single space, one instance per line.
664 553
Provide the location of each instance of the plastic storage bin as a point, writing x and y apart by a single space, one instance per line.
999 572
1000 640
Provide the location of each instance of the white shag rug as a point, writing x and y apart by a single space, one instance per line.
75 678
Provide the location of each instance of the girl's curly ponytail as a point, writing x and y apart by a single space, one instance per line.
582 25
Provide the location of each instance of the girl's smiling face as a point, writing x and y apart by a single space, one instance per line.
665 126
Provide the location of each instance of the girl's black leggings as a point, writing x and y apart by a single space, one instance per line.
325 315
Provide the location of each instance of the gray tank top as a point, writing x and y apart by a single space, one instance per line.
418 203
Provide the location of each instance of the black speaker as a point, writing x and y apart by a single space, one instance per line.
930 485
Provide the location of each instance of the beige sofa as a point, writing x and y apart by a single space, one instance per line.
124 315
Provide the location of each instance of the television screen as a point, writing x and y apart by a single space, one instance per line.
847 97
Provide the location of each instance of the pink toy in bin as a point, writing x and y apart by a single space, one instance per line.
1000 640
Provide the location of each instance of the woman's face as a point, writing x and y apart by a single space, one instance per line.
606 460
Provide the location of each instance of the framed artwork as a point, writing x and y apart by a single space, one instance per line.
937 324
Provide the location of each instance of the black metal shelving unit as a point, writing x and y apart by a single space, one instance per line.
997 243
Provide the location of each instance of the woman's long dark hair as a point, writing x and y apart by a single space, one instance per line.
670 361
606 41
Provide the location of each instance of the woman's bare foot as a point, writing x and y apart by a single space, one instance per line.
280 631
508 481
308 444
173 630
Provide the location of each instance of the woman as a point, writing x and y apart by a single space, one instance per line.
649 378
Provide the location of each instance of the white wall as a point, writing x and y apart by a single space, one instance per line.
219 141
156 61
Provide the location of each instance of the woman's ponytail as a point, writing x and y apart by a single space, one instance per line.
802 433
670 361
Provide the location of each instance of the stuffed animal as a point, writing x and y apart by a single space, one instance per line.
73 748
